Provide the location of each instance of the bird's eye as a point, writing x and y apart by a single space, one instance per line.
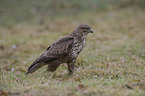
86 28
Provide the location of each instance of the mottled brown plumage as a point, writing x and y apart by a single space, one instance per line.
64 50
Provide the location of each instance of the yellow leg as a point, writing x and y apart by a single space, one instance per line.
51 75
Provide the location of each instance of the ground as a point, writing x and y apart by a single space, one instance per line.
111 64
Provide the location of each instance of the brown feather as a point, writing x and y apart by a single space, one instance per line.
64 50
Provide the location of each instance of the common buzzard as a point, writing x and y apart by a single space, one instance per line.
65 50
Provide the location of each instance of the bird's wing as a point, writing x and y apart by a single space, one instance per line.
58 49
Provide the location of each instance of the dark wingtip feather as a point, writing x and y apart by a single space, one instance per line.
34 67
27 72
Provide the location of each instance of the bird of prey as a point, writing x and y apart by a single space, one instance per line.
65 50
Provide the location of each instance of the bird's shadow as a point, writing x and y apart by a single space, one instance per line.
56 76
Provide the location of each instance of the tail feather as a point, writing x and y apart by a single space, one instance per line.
35 65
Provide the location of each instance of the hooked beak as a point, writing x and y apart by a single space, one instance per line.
91 31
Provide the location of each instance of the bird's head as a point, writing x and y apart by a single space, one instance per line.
83 30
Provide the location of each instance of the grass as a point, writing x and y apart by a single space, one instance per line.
112 62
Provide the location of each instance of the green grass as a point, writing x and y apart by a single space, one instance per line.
112 62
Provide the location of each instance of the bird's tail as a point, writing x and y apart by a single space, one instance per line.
34 66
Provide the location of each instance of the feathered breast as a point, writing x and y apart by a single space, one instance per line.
78 46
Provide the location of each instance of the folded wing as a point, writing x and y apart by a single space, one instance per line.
58 49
